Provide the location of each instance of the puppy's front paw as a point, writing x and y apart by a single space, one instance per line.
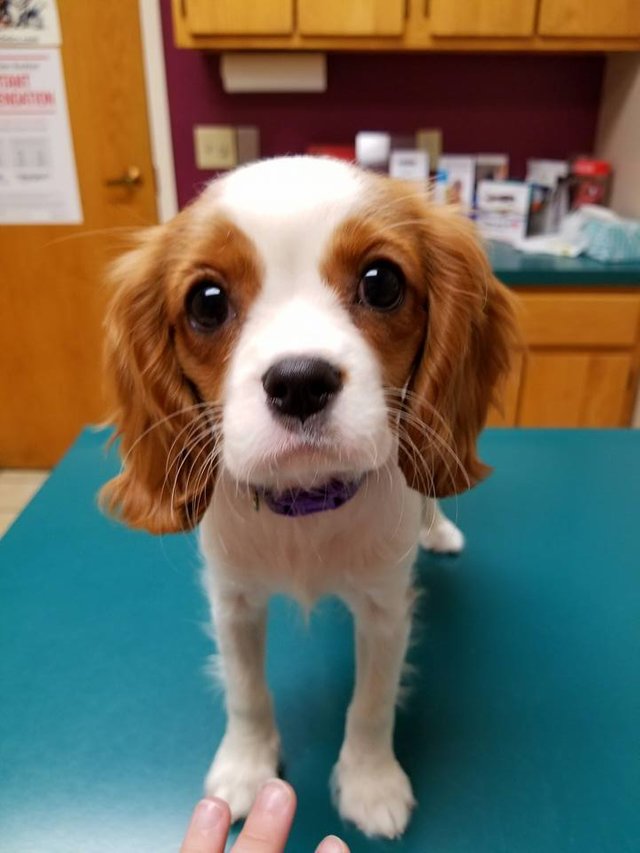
240 767
376 796
442 537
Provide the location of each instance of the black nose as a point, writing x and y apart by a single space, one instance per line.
300 387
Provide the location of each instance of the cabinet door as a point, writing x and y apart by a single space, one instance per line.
575 389
506 414
482 17
589 18
354 18
239 17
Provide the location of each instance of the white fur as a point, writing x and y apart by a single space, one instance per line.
363 552
438 534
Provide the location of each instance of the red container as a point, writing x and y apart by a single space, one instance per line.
590 181
341 152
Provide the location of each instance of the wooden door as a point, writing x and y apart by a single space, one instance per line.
587 389
239 17
354 18
52 295
482 17
590 18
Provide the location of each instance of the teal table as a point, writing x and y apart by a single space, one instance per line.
521 735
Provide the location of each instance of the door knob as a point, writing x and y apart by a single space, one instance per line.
132 177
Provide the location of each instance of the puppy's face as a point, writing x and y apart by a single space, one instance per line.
301 320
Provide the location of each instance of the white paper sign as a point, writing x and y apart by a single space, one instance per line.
38 182
29 22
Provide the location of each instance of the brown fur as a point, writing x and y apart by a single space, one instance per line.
470 337
162 370
451 340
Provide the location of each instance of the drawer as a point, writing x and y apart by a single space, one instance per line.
570 319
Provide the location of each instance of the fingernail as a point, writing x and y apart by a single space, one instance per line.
207 815
274 797
332 844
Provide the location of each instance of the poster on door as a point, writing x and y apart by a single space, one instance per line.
38 180
29 22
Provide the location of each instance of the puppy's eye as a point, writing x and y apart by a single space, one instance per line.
207 305
382 286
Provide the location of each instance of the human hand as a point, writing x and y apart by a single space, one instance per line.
266 829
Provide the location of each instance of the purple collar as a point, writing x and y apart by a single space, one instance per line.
297 502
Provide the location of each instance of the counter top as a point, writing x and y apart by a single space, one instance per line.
517 268
520 732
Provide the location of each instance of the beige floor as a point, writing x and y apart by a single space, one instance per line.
16 490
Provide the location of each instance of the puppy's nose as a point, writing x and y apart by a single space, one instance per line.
299 387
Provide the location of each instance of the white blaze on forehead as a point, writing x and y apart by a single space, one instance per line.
289 186
289 207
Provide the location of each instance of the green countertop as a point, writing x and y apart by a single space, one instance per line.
521 733
513 267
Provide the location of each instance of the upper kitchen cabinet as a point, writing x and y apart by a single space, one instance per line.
238 17
415 25
354 18
590 18
491 18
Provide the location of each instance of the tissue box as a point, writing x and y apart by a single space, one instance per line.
612 242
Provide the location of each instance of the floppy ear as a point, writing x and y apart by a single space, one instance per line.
165 437
467 349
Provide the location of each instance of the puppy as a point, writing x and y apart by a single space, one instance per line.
303 359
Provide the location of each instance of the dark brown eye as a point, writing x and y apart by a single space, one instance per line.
207 305
381 286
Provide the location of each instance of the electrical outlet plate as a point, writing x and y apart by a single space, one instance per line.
215 146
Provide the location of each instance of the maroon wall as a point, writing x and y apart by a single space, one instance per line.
525 105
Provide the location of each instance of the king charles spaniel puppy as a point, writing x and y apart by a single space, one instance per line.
303 359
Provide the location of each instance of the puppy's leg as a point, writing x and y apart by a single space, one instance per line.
372 789
248 753
438 533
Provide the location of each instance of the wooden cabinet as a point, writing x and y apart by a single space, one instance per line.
573 319
408 25
238 17
506 414
483 17
355 18
589 18
576 389
581 363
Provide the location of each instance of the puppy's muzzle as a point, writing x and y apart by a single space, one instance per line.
299 387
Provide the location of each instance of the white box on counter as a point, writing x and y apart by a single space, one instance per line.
502 210
409 165
455 180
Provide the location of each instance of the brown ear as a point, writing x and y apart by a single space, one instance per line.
468 344
166 440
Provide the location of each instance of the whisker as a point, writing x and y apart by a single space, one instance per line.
162 421
419 425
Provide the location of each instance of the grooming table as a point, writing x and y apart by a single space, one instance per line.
521 733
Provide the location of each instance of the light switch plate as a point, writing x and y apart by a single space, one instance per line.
215 146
